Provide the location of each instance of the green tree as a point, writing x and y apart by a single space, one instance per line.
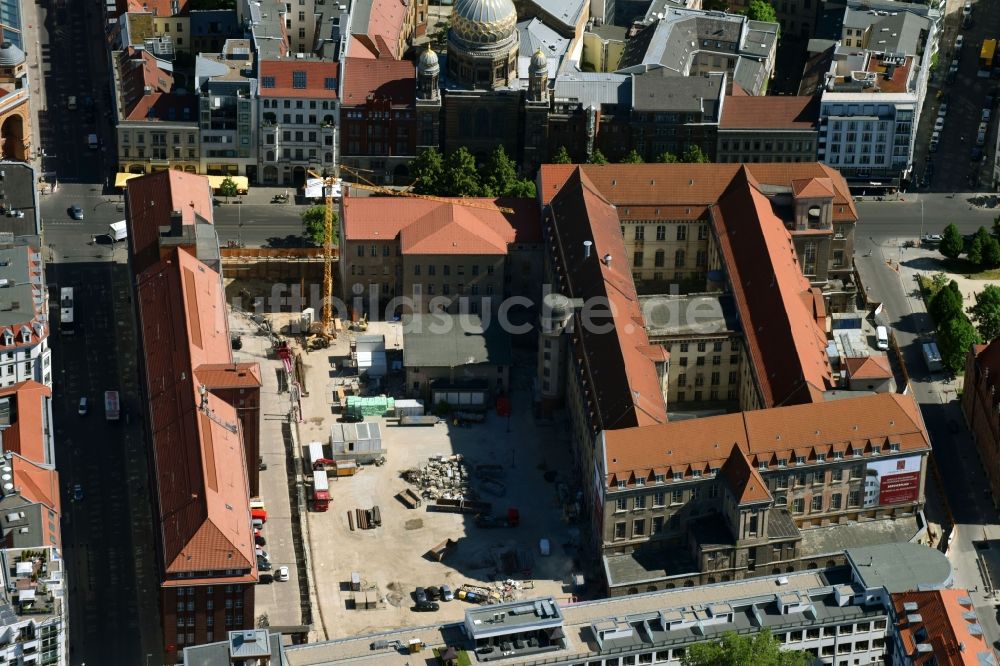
955 337
986 312
597 157
996 227
991 252
524 188
227 188
314 224
976 246
759 10
952 244
946 303
562 156
632 158
760 649
461 177
428 170
693 154
667 158
500 174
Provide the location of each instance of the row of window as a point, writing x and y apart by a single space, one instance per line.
767 145
714 379
713 394
734 359
659 259
702 347
639 231
325 105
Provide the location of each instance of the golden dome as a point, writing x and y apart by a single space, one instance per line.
483 22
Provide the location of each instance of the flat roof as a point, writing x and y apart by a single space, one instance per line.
447 341
689 314
900 567
501 619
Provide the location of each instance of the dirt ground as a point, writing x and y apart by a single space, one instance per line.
392 558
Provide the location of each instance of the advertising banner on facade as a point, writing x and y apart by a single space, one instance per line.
894 481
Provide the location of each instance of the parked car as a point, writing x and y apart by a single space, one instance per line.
976 154
932 238
76 212
265 579
986 115
959 43
77 492
82 409
426 606
943 110
259 540
433 593
939 124
420 595
446 593
263 564
281 574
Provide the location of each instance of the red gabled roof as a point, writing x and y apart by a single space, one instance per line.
159 8
622 382
382 77
743 479
427 226
386 20
787 112
776 304
149 202
164 107
944 621
141 73
316 74
229 375
201 478
26 433
868 367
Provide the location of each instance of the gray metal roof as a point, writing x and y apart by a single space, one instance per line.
898 31
662 90
747 73
18 191
266 25
565 12
900 567
17 307
592 89
447 341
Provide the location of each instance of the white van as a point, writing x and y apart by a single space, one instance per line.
882 338
117 231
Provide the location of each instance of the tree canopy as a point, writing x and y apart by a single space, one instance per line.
759 10
457 175
667 158
955 337
986 312
428 170
760 649
597 157
632 157
952 244
562 156
693 154
314 224
227 188
946 303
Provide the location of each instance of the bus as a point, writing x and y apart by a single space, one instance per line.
66 310
986 55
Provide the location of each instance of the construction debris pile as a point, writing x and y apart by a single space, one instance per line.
366 519
496 593
443 477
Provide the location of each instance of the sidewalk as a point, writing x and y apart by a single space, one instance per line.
33 16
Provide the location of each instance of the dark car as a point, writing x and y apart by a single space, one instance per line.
426 606
266 579
353 418
259 540
76 212
237 342
433 593
976 154
263 564
420 595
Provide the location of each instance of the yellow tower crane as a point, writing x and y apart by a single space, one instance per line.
327 319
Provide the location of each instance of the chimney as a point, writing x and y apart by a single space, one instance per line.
176 222
607 260
586 248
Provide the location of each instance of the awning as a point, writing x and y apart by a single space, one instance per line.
122 178
215 182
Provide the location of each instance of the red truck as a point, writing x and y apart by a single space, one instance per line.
321 491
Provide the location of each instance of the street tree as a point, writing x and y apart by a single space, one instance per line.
946 303
996 227
461 177
597 157
759 10
977 245
428 170
314 224
562 156
693 154
667 157
991 252
986 312
500 174
227 188
955 337
760 649
632 157
952 244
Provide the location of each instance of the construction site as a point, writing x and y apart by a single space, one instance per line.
379 495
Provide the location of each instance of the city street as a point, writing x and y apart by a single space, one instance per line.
882 227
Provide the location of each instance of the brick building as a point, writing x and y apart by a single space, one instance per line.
199 469
981 406
766 491
768 129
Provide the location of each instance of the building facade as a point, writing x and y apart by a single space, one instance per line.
768 129
24 321
227 98
981 407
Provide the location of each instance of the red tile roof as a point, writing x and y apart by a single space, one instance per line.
789 112
201 478
229 375
743 479
317 72
156 7
438 227
946 620
868 367
140 71
164 107
861 424
810 188
26 434
382 77
622 385
149 202
988 359
689 185
777 307
386 20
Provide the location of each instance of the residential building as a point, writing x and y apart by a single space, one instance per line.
378 112
227 95
298 119
24 321
731 43
157 129
768 129
460 255
15 117
835 614
670 112
256 644
590 111
869 373
163 8
199 467
980 400
19 192
665 215
387 24
211 28
452 353
765 491
937 626
33 607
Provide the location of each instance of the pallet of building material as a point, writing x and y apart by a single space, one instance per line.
409 498
443 505
350 520
376 516
440 551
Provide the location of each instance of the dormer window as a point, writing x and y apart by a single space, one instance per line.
696 474
714 471
782 462
894 447
838 455
800 460
639 481
621 485
820 457
660 478
762 465
8 338
678 476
